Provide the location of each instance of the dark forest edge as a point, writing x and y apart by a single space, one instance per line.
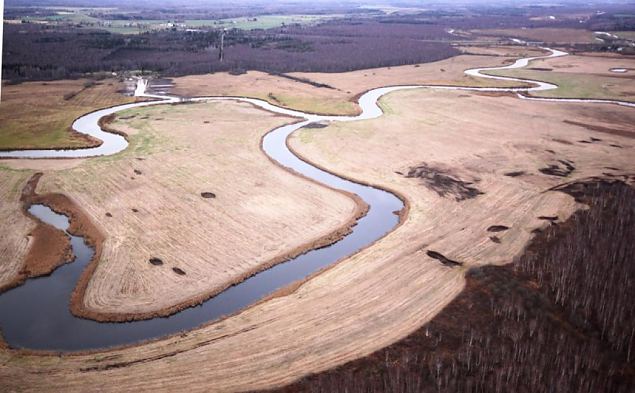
357 39
558 319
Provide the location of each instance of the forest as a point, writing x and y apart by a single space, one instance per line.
38 51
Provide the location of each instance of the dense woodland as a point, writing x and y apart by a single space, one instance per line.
559 319
43 52
39 52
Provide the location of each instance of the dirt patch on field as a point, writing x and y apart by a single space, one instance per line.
558 318
443 259
315 125
562 168
443 182
497 228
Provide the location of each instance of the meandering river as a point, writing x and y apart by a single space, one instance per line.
36 315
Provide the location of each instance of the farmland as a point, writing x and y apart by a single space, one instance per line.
581 77
39 115
317 197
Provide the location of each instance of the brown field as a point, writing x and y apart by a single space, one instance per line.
522 327
542 34
148 203
341 98
15 242
506 51
468 174
40 114
582 77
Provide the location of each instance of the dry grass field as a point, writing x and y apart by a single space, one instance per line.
543 34
149 203
582 77
502 50
340 97
477 186
15 241
40 114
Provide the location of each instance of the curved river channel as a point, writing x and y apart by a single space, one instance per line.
36 315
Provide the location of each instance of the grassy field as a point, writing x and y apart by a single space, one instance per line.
340 315
576 86
543 34
39 115
83 17
243 23
581 77
341 97
264 21
176 153
14 245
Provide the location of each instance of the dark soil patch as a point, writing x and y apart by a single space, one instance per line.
316 125
540 69
155 261
548 218
443 182
618 146
304 80
135 210
138 172
495 239
612 168
585 141
443 259
208 195
497 228
563 141
550 151
562 169
178 271
515 173
108 214
559 319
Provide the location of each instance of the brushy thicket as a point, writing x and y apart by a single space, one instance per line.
561 318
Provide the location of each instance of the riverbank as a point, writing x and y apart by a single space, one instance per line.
337 93
424 275
557 319
580 76
172 163
38 115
